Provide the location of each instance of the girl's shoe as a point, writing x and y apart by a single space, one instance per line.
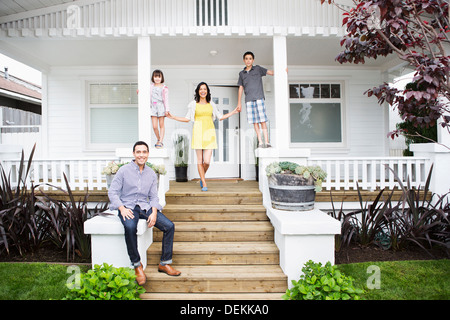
205 189
159 145
201 184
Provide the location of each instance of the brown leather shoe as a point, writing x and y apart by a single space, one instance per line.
140 275
168 270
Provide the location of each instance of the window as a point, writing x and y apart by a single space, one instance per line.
212 12
316 112
113 113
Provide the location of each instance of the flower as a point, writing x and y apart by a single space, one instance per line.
111 168
158 168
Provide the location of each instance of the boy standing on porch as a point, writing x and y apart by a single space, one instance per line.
250 82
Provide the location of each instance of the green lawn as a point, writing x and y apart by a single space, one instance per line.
34 281
403 280
400 280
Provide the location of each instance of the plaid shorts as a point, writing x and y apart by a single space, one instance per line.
256 111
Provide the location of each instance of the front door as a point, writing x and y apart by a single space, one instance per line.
226 158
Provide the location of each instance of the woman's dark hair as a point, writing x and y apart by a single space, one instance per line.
197 94
158 73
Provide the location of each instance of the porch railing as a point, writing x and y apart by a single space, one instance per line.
81 173
343 173
372 173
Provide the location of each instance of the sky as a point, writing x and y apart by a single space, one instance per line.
20 70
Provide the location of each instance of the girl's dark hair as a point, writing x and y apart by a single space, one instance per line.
158 73
197 94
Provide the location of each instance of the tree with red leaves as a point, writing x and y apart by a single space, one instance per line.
417 31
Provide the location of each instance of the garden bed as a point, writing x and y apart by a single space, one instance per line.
355 253
351 254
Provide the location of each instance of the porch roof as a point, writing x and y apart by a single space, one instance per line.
105 32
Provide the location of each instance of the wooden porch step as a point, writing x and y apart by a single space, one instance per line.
215 279
223 245
215 198
218 253
220 192
220 231
203 212
213 296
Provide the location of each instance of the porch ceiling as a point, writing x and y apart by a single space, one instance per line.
8 7
302 51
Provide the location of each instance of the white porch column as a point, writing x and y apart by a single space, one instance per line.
144 80
281 91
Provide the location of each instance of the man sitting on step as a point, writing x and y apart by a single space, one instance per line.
134 193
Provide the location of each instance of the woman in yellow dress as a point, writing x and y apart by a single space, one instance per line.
203 112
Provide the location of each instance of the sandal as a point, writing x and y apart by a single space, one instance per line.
159 145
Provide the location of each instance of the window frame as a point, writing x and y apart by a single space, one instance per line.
341 100
90 146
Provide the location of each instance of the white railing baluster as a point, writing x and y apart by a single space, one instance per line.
330 181
373 175
98 169
71 177
382 175
53 173
338 175
346 174
89 174
81 175
355 174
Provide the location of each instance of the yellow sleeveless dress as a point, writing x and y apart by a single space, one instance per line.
203 131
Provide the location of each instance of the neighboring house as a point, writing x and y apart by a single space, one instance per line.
20 115
95 54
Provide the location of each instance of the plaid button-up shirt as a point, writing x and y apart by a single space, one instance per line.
130 187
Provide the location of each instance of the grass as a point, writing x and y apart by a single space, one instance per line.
34 281
403 280
399 280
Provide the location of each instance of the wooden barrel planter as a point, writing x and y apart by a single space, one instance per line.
291 192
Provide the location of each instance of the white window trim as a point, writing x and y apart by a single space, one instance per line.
87 123
342 100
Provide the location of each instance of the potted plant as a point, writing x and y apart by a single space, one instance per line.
110 170
181 149
292 186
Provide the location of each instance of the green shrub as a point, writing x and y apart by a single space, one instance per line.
105 283
322 283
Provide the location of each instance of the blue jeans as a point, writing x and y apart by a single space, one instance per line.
162 223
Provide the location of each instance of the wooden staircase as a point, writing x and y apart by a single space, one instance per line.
223 245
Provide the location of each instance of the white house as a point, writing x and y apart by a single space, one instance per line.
95 54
